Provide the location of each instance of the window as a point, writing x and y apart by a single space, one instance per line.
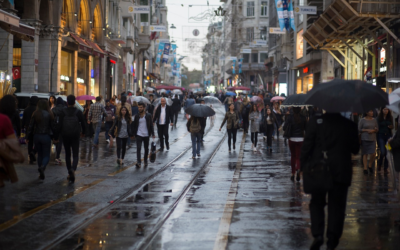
263 56
263 34
161 18
144 2
254 57
246 58
124 22
264 8
250 34
250 8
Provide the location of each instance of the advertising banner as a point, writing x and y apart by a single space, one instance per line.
279 9
291 14
234 66
158 28
173 52
178 69
240 65
159 52
308 10
284 9
139 9
174 68
167 47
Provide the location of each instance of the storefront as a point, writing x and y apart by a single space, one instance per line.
82 74
66 87
110 79
307 77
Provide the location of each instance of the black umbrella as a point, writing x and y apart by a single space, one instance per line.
296 100
200 110
342 95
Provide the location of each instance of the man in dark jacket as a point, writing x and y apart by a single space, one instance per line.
162 117
339 137
26 118
150 107
142 129
203 123
70 133
58 112
176 108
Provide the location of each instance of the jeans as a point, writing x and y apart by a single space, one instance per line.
162 131
295 151
88 130
231 135
254 138
139 141
59 147
121 144
382 140
245 124
43 147
196 143
96 128
269 130
71 143
108 125
337 198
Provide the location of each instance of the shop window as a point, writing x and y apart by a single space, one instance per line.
263 56
16 56
246 58
263 34
254 57
264 8
250 9
250 34
82 74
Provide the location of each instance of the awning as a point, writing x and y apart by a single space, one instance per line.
83 46
153 76
24 32
345 22
97 51
113 58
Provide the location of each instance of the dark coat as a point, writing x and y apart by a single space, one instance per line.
135 124
70 111
395 144
340 138
169 117
176 105
203 124
117 122
16 123
297 129
45 126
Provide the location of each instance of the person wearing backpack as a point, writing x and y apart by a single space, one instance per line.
194 127
72 126
109 119
232 124
57 112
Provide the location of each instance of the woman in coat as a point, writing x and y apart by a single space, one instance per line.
232 124
269 124
368 127
255 126
40 127
385 123
122 130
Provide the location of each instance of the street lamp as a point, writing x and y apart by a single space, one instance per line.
172 26
220 11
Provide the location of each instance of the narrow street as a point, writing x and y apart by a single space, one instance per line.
222 200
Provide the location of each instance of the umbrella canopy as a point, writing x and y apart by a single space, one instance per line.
230 93
158 101
162 91
239 88
177 92
296 100
167 87
343 95
277 98
150 89
256 99
141 99
200 110
211 100
394 98
85 98
396 91
394 108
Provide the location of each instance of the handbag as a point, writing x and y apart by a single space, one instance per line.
22 138
317 177
288 131
153 152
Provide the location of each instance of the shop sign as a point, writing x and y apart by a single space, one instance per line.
245 51
64 78
158 41
233 58
308 10
260 42
8 18
158 28
382 69
80 80
383 56
299 44
276 30
139 9
305 70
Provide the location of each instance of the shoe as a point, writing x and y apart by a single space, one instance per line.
108 141
317 243
233 146
292 178
41 174
167 146
145 164
198 155
298 176
371 171
264 137
161 149
118 162
193 157
71 176
254 149
252 145
365 171
138 165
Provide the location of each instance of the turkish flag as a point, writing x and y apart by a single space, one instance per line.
16 73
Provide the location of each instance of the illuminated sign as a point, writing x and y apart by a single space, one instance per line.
64 78
383 55
305 70
80 80
299 44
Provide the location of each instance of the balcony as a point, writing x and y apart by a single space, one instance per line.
130 44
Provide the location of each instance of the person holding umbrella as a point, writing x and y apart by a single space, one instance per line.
232 124
385 122
163 116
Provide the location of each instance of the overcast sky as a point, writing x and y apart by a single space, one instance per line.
179 16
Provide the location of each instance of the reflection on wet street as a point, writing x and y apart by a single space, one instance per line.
238 200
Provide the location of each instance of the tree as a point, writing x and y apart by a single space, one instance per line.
193 76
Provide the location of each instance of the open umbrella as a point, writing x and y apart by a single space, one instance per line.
277 98
229 93
239 88
162 91
158 101
343 95
256 99
85 98
296 100
141 99
177 92
200 110
150 89
211 100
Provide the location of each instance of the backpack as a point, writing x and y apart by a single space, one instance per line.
109 116
71 126
195 126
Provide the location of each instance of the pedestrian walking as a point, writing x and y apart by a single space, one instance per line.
232 124
72 126
40 126
52 102
368 127
385 126
162 117
124 103
330 140
26 118
227 102
57 112
176 108
135 109
88 128
95 116
143 128
9 108
109 120
255 126
150 107
270 123
294 128
245 110
122 130
189 102
194 127
279 119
